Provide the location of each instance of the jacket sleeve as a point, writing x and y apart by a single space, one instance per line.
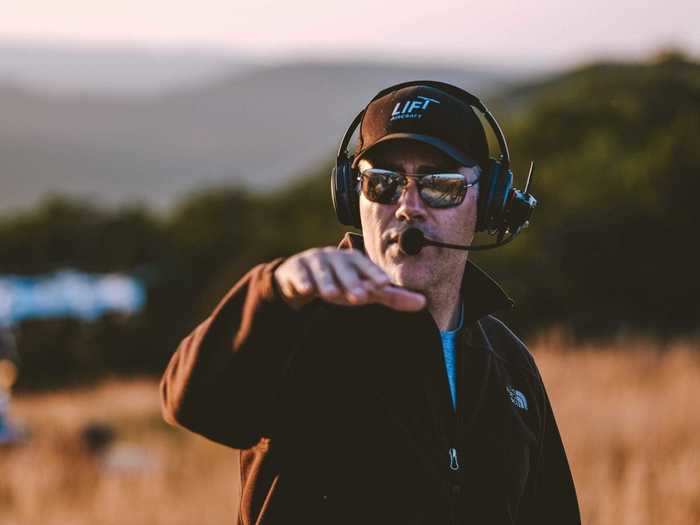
550 494
223 379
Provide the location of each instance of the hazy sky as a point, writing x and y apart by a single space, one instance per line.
546 31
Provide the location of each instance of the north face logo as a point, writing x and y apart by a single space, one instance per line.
517 397
411 108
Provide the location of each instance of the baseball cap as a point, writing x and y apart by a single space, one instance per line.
427 115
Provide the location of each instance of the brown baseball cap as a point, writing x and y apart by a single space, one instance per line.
427 115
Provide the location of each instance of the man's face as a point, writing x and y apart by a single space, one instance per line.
382 223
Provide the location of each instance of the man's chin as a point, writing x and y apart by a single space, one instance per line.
411 273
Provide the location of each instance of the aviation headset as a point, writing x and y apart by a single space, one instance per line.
500 207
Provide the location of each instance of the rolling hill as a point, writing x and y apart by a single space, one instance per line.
259 129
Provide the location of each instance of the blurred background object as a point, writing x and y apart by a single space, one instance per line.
150 154
11 433
67 294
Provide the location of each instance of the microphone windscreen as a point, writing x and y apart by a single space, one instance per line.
411 241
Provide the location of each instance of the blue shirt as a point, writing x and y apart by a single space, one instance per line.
448 351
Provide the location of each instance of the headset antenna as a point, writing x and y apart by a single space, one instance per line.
529 177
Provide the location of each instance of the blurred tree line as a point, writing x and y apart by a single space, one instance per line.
617 153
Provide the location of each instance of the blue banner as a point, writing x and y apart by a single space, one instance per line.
68 293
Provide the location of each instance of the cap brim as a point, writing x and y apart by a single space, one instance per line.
443 146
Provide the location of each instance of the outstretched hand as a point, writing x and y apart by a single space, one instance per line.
346 277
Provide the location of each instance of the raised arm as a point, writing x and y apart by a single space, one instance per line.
221 381
224 377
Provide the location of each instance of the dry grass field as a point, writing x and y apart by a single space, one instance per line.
628 415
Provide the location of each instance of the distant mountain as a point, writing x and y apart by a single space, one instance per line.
65 69
259 128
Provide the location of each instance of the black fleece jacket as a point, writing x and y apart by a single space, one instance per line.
343 414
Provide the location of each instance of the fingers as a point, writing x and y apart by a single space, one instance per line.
366 267
323 275
399 298
381 290
337 277
301 280
295 282
346 277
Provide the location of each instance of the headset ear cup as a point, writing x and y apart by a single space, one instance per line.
492 203
502 200
486 189
353 197
344 195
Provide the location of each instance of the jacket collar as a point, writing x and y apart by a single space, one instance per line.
480 293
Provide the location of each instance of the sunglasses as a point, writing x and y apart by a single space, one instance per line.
438 190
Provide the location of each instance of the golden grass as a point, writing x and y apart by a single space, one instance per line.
52 481
625 411
631 427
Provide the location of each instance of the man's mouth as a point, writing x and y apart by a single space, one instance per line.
393 238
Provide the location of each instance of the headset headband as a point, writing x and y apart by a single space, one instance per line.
457 92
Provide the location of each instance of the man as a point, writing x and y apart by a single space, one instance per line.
367 385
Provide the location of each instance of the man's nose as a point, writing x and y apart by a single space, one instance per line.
410 205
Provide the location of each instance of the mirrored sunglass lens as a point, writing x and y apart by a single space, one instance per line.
442 190
381 186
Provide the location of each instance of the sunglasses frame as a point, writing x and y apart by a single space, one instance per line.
418 177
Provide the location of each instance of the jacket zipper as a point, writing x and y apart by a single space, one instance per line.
454 487
454 474
454 462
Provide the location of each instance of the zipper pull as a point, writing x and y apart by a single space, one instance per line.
454 464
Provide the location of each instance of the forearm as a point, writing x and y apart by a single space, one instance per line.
222 380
